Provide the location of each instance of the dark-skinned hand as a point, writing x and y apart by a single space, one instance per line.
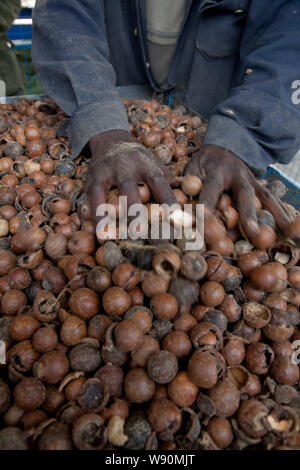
119 161
220 170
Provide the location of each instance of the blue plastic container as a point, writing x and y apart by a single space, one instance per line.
293 193
20 31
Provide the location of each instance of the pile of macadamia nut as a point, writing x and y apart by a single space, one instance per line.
138 345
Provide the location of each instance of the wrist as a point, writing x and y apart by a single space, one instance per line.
217 149
101 142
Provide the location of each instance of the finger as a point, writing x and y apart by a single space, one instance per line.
160 188
128 188
213 186
87 184
170 177
192 167
94 176
245 203
97 194
273 205
202 162
96 188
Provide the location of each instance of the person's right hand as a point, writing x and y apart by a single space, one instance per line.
118 161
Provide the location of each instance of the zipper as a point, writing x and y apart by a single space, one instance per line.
142 35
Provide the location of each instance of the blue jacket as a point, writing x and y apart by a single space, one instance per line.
237 63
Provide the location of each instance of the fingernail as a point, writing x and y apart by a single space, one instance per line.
203 174
253 226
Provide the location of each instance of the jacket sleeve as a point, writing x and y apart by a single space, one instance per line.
9 10
260 120
71 57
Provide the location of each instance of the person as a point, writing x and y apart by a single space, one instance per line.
232 61
10 70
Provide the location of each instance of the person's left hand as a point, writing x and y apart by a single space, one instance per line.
220 170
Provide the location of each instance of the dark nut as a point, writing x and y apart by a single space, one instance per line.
162 367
